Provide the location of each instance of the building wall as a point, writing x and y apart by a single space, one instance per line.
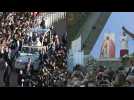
60 26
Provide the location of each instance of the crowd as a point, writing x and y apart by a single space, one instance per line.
52 67
16 31
102 76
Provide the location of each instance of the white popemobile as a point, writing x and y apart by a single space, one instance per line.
28 52
31 52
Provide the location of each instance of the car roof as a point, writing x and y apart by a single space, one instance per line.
32 46
40 30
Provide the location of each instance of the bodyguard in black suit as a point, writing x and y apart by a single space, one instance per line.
20 77
28 71
29 67
130 75
6 77
131 70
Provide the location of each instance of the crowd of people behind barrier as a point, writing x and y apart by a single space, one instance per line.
15 31
52 66
102 76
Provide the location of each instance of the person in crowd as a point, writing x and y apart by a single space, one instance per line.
20 78
29 67
43 25
78 73
64 38
130 74
15 31
45 42
6 77
28 71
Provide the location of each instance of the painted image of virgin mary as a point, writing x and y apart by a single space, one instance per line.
108 48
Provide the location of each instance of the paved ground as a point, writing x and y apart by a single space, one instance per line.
13 78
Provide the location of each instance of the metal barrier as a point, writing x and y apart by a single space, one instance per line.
54 17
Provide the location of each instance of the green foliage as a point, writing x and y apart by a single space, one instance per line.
75 20
124 60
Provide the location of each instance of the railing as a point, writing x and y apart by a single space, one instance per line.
50 18
54 17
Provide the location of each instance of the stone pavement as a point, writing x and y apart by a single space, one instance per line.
13 79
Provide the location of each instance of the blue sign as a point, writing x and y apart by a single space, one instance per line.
39 30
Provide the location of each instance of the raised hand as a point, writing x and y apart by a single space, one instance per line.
128 32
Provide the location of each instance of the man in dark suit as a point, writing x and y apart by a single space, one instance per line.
5 55
43 24
7 59
20 77
28 71
130 75
28 67
6 77
131 70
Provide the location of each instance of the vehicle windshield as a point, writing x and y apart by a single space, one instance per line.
29 50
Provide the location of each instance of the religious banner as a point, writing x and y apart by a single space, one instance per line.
108 46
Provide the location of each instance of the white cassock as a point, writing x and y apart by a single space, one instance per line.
124 42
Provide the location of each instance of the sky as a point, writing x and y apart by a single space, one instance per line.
114 25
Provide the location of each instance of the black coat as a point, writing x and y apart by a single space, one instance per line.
20 46
6 77
14 44
43 24
19 79
5 55
130 71
31 69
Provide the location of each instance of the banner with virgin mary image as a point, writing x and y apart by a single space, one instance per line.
108 46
